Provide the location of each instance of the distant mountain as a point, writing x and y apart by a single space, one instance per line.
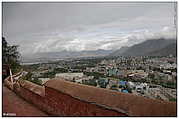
70 54
155 47
48 56
119 51
170 49
149 47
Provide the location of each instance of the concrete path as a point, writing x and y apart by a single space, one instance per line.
13 105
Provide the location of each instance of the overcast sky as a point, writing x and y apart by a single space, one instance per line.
48 27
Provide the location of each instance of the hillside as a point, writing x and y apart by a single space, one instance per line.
150 47
119 52
168 50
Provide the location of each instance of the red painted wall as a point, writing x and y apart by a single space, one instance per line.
65 105
56 103
32 97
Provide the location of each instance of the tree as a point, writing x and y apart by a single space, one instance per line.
10 55
4 50
37 81
113 87
91 82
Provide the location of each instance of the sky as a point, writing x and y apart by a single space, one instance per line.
55 27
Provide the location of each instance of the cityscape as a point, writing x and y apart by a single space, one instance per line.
63 61
151 77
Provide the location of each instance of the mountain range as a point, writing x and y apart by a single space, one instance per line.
45 56
153 47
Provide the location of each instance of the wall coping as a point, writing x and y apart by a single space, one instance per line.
32 87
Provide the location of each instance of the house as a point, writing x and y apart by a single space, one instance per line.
139 89
112 71
138 74
122 83
112 82
131 85
78 80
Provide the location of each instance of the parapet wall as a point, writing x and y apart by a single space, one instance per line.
63 98
66 105
127 104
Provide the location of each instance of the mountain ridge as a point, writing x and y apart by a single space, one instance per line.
147 47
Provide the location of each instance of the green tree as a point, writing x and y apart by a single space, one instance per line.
90 82
10 55
36 81
113 87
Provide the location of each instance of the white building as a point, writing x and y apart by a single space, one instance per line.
69 76
79 80
131 84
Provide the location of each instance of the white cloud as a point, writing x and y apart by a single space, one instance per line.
108 39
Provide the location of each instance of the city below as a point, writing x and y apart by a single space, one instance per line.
151 77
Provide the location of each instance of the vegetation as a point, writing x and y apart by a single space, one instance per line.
32 67
102 83
28 77
48 75
157 69
10 56
36 81
90 82
51 74
113 87
82 67
168 84
172 99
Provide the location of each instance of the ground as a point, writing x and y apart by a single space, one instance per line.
14 105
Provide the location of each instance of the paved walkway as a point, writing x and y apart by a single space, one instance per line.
13 105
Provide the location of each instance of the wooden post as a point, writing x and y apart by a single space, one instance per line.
11 77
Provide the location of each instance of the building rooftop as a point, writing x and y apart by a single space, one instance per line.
123 83
129 104
124 91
